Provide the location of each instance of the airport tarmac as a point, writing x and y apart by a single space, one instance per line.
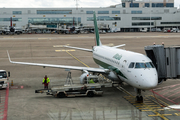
24 104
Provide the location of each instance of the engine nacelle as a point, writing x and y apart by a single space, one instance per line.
83 77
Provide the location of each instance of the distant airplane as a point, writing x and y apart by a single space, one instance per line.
116 64
11 29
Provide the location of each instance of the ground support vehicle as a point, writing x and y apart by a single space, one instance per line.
73 90
4 79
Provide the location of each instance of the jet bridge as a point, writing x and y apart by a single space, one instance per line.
166 60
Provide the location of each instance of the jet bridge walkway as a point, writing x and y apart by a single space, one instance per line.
166 60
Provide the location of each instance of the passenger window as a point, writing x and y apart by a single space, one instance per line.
131 65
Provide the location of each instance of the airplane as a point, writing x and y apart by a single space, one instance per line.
11 29
116 64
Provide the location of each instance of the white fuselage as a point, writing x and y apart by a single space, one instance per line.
140 74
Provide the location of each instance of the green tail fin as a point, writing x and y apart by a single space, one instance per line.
96 31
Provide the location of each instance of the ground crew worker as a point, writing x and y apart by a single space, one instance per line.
46 82
91 81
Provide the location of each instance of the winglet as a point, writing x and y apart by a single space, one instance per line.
9 57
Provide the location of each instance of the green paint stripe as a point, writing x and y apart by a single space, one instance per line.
107 66
96 30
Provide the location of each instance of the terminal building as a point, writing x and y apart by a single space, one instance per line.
130 15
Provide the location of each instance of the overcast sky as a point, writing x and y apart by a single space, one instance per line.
61 3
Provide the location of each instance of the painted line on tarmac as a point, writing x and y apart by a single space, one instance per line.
6 103
60 45
146 107
128 37
8 37
42 38
77 59
65 50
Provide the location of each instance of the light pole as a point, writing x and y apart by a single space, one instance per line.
150 5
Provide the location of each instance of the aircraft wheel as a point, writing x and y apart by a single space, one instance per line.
139 99
90 94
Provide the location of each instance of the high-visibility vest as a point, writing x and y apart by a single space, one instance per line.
91 81
47 80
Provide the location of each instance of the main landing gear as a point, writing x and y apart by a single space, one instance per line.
139 98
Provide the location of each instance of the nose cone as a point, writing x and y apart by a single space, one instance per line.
146 79
151 80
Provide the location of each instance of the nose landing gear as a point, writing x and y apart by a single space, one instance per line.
139 98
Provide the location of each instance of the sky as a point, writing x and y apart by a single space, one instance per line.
61 3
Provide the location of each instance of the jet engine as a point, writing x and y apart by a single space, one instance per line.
83 77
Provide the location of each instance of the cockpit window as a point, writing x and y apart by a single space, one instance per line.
144 65
140 65
131 65
152 65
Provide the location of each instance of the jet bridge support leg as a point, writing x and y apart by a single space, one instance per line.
139 98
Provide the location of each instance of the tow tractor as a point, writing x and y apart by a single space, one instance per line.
69 89
4 79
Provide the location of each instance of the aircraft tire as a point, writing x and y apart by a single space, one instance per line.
139 99
60 95
90 94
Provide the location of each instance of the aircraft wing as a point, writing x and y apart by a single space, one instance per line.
97 70
84 49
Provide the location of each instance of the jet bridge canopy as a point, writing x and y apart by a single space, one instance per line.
166 60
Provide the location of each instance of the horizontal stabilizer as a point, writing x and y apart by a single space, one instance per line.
110 44
84 49
119 46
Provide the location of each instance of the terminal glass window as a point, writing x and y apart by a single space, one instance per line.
116 18
55 21
157 5
146 4
134 4
104 18
115 12
103 12
9 19
123 5
169 4
89 12
136 12
146 18
170 22
142 23
54 11
17 12
156 18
